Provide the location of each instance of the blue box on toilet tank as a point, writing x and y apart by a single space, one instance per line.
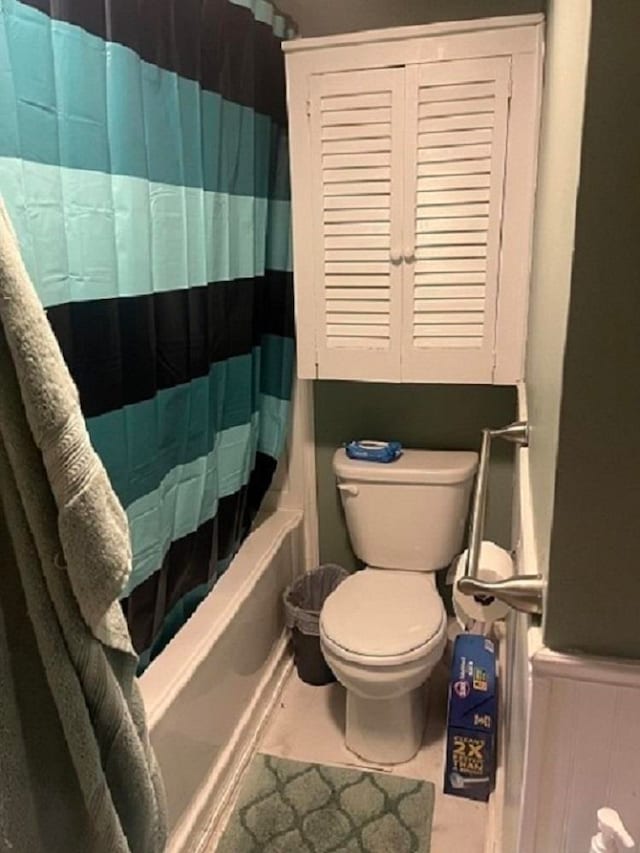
472 718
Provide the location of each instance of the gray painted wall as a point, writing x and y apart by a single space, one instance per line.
328 17
594 572
443 417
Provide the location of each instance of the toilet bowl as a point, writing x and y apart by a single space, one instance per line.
382 636
383 630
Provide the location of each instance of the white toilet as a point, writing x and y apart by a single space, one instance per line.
384 629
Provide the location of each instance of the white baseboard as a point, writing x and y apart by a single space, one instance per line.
199 831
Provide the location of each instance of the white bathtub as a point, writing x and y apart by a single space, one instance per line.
209 691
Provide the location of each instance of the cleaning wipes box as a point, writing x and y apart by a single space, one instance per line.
471 727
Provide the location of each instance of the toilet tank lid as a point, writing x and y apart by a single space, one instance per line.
414 466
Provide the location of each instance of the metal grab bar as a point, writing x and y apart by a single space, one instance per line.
522 592
517 433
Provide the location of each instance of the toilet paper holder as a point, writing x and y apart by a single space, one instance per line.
522 592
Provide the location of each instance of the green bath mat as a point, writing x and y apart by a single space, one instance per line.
293 807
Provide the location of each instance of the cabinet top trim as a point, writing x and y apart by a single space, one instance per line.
421 31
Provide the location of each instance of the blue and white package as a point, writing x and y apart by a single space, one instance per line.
471 724
374 451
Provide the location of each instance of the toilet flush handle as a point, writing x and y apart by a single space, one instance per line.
348 489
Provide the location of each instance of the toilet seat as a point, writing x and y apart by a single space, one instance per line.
381 618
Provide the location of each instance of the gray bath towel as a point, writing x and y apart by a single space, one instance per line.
77 773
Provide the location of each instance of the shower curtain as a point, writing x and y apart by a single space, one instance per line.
143 161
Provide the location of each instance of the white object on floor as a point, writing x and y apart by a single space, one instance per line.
383 630
612 836
384 670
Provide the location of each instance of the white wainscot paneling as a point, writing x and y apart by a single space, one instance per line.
583 750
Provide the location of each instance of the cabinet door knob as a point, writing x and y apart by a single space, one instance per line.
409 254
396 257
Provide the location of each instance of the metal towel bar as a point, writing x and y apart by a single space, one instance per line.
522 592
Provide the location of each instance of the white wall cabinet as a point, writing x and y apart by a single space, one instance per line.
413 171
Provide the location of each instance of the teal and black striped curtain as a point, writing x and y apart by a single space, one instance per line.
143 160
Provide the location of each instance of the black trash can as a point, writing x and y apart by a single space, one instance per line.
303 601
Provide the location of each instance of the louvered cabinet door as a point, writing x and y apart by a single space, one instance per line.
356 130
456 127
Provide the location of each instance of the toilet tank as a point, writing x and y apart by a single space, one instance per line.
409 514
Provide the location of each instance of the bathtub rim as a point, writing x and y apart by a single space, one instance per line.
168 674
